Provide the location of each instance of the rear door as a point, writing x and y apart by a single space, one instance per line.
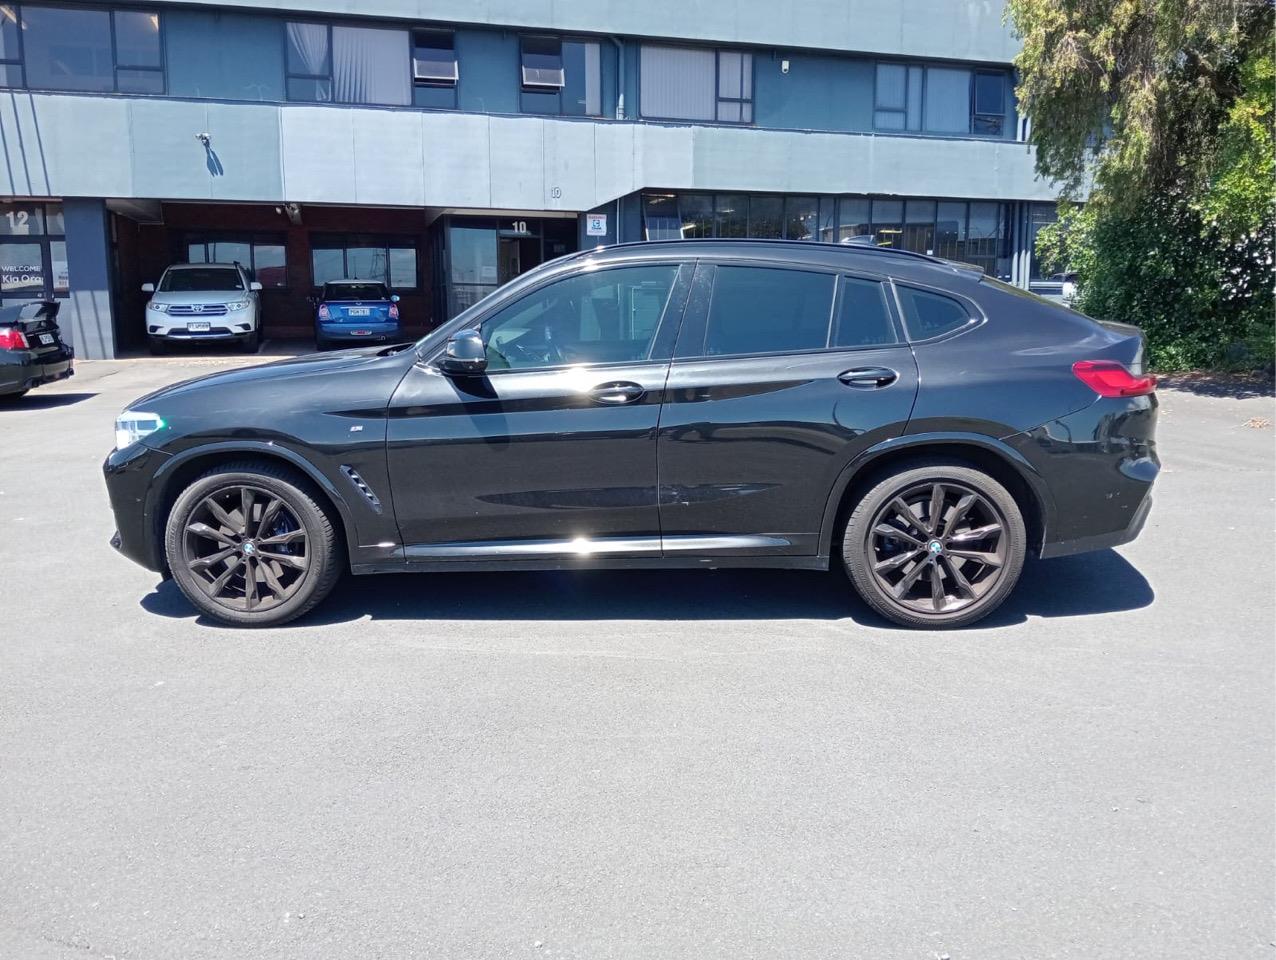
780 377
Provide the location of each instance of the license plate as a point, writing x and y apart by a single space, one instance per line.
361 333
359 311
46 338
198 326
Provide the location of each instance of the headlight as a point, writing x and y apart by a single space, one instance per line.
132 425
158 307
237 305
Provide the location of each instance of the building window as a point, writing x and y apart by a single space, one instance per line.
75 48
33 263
264 255
344 64
938 99
391 261
971 232
990 103
1039 215
435 73
561 77
689 83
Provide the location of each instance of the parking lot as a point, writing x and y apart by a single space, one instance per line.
641 764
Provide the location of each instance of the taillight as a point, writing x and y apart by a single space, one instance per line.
323 311
11 338
394 311
1108 378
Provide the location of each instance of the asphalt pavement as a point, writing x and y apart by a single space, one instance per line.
647 764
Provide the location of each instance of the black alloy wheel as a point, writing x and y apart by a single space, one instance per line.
251 546
938 546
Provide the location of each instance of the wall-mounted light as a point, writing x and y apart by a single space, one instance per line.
784 66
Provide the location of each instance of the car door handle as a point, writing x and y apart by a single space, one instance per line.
868 378
618 392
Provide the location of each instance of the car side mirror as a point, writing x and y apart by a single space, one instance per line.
394 298
148 288
464 355
254 285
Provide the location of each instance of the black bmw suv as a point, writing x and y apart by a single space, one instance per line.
670 404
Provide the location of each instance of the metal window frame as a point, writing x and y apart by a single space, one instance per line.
526 87
455 81
44 240
742 100
292 75
977 115
253 238
386 241
20 61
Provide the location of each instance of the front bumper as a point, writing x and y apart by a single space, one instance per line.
24 369
128 476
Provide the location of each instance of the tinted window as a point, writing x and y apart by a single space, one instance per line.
760 310
355 291
862 317
199 279
67 49
600 317
930 314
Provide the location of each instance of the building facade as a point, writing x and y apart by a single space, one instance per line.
445 146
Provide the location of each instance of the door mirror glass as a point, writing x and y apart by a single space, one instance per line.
148 288
394 298
464 354
254 285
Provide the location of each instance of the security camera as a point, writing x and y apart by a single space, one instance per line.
203 138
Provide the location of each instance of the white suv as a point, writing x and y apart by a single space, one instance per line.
204 302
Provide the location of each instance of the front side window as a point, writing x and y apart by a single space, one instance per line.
690 83
561 77
435 72
201 279
768 310
605 316
929 314
75 48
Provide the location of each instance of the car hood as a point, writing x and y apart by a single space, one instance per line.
198 296
309 365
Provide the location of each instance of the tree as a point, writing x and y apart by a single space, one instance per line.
1164 110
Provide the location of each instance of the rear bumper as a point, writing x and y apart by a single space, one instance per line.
1099 465
352 332
23 369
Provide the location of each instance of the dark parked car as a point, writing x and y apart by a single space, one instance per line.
349 312
31 349
675 404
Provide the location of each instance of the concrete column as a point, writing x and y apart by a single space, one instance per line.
86 318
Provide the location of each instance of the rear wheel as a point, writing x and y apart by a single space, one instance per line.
250 545
935 545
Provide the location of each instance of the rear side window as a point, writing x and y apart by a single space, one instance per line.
929 314
763 310
863 319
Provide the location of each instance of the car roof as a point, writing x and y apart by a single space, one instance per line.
884 261
379 283
201 266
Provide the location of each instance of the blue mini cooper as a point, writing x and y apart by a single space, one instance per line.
350 312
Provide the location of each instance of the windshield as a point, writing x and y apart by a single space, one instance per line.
201 279
355 291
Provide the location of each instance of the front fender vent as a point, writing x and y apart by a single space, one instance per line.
361 485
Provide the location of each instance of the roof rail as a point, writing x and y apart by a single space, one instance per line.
853 247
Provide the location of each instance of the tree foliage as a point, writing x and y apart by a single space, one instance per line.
1163 111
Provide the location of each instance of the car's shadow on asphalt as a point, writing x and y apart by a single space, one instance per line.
42 401
1096 583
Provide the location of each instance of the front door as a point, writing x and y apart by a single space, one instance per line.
552 452
780 378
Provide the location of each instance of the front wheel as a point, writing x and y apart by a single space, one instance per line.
251 343
250 545
935 545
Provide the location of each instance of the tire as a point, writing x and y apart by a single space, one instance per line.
298 532
976 568
251 343
157 346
